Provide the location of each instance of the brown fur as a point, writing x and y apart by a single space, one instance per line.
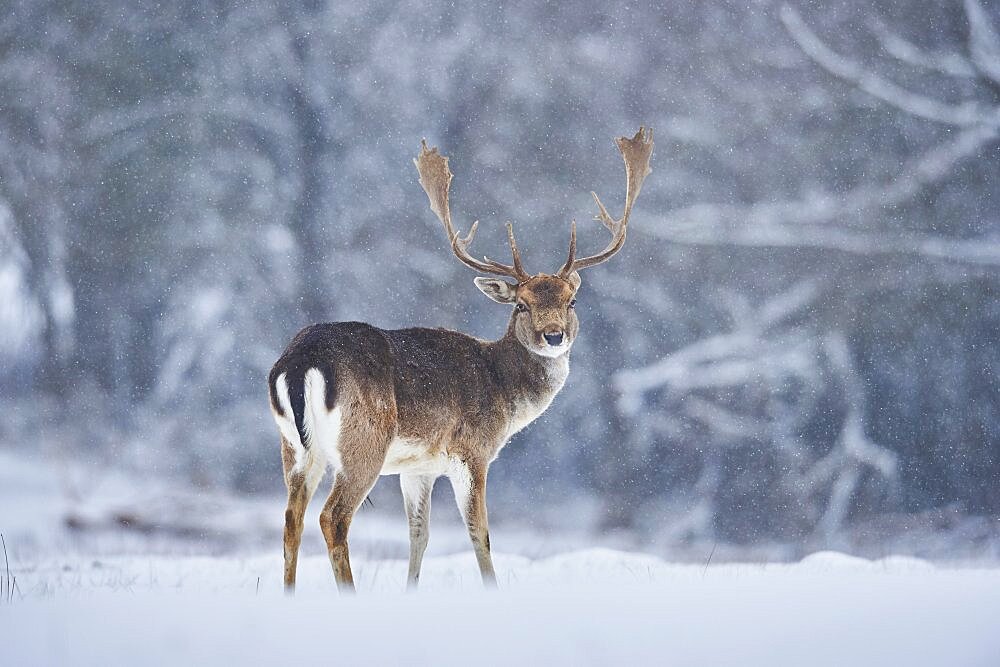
547 299
450 400
452 393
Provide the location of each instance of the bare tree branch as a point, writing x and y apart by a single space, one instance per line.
234 107
950 64
853 450
731 359
984 44
759 355
962 115
804 222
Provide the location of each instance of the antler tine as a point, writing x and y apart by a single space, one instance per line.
567 268
435 178
518 267
636 153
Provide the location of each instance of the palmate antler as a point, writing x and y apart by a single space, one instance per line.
636 153
435 177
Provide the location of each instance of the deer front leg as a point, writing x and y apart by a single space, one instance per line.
469 483
417 500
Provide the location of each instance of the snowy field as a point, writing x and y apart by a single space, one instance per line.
113 572
586 607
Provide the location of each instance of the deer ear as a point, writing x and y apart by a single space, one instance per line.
499 290
574 280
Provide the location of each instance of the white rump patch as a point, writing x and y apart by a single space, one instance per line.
321 426
286 421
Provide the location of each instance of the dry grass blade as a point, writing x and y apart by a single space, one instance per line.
7 584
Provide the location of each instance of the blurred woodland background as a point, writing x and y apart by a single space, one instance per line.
799 344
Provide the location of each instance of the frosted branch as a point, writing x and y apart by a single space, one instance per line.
984 44
852 437
801 223
724 422
743 356
788 303
753 358
853 448
236 107
961 115
950 64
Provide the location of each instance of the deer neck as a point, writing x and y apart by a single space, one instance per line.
530 377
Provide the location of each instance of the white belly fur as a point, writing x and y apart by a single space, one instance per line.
414 457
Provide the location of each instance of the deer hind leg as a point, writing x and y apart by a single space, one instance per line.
469 483
361 447
417 501
301 481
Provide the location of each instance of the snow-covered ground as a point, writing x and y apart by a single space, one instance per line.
114 572
587 607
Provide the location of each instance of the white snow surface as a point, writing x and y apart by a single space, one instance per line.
580 608
120 586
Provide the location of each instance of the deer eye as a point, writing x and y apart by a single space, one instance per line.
521 308
572 303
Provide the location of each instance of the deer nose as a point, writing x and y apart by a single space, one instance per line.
554 339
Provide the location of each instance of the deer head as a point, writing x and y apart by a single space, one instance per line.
544 319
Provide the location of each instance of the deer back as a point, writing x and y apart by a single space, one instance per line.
438 387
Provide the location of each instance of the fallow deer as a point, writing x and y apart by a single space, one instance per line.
423 403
